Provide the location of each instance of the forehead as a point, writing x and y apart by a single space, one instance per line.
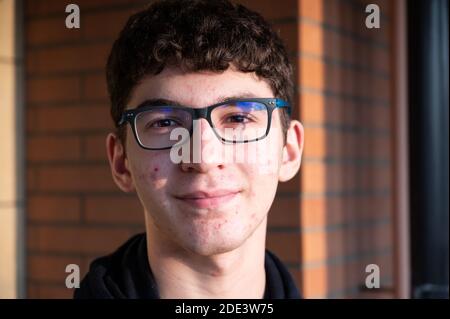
199 89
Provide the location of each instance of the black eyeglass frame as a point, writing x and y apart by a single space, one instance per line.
129 116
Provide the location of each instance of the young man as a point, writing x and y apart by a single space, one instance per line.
200 93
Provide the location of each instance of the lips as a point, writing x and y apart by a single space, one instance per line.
208 199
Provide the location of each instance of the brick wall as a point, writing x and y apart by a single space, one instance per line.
326 224
75 211
345 102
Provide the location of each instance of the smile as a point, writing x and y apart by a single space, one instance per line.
203 199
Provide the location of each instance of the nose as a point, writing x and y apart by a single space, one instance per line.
205 149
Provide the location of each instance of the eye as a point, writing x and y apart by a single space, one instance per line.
238 118
162 123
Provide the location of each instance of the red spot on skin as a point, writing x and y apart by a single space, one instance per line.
154 173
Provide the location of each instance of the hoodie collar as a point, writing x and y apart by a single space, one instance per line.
126 274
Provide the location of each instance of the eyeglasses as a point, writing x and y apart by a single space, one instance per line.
233 121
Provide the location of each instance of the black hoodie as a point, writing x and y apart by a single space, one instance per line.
126 274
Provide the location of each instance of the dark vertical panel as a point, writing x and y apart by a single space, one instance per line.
428 69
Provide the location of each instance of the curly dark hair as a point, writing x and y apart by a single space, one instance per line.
196 35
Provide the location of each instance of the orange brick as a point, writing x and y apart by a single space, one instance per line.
349 145
31 178
337 208
336 79
286 245
384 235
45 7
313 108
285 211
76 239
312 73
32 290
313 177
53 208
291 186
105 25
333 13
30 119
382 145
119 210
386 7
337 277
95 87
314 247
335 144
72 119
38 7
80 57
54 292
82 178
343 48
380 88
336 177
50 30
380 59
95 147
315 142
311 9
315 282
314 212
50 268
311 39
345 17
337 243
60 89
53 148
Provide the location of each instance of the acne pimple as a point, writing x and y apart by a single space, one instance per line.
156 169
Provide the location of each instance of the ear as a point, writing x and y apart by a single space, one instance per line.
292 151
119 163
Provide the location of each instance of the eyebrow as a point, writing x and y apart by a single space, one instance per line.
167 102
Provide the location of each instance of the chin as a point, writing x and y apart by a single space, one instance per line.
212 250
206 237
214 244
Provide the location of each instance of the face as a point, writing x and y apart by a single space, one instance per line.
213 205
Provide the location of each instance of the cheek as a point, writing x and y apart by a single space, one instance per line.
262 189
150 173
154 173
265 157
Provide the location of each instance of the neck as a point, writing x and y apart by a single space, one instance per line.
182 274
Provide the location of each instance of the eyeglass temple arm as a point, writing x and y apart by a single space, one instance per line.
123 119
279 103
